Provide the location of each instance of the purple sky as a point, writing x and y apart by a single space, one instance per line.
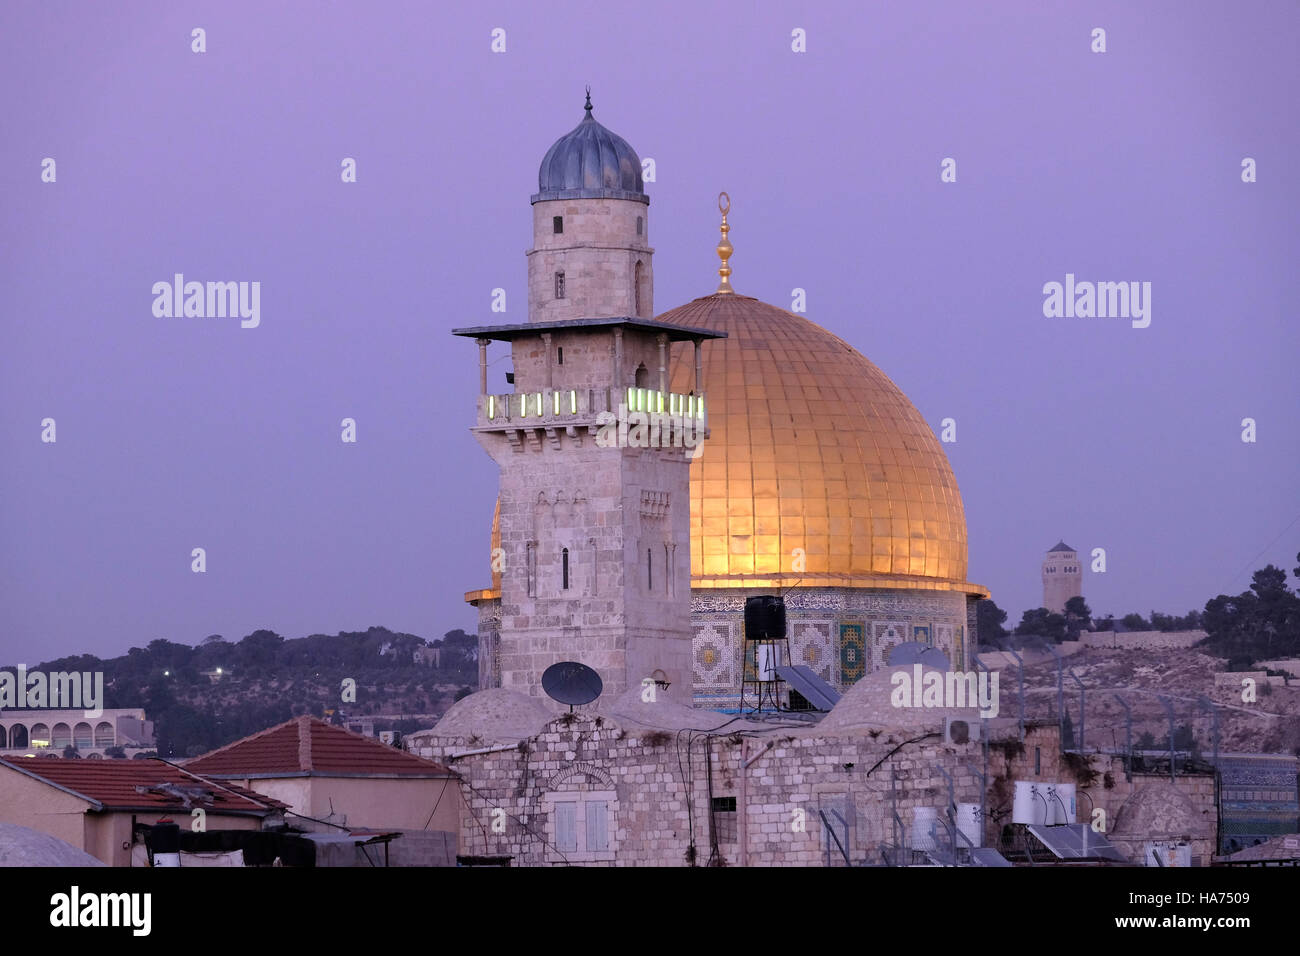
176 433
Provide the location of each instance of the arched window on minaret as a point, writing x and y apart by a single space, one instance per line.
642 376
564 568
636 287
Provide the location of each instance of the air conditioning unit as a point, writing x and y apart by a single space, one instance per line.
959 730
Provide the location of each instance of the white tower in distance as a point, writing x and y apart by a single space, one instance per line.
1062 577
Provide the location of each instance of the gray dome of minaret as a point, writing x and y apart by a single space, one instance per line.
590 162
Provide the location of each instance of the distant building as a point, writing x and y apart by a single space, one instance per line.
1062 577
94 806
428 656
33 732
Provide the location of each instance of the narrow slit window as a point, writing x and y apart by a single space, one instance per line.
639 225
559 285
560 356
649 569
557 224
564 568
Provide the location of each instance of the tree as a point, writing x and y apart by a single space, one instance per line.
1077 617
71 751
259 649
458 647
1135 622
1042 623
1261 623
989 619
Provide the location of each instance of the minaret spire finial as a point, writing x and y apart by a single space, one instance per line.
588 106
724 245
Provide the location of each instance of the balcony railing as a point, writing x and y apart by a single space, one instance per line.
581 406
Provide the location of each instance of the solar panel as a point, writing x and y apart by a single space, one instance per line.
979 856
814 690
1076 841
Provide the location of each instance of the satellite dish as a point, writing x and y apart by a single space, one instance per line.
917 652
571 683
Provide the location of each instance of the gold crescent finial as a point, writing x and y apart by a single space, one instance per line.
724 245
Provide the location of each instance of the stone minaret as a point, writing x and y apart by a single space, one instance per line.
591 256
1062 577
594 506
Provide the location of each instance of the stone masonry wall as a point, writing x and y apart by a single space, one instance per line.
661 784
598 253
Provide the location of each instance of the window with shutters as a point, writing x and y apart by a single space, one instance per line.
597 813
582 825
566 826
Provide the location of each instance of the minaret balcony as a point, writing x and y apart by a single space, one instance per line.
583 406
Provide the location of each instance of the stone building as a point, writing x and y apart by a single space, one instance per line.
630 782
41 731
1062 577
817 478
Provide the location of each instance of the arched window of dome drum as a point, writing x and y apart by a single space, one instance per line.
636 287
559 285
557 224
564 568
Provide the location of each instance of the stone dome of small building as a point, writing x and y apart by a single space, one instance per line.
23 846
869 706
495 715
1159 811
590 162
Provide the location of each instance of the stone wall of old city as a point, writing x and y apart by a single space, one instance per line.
660 783
1141 639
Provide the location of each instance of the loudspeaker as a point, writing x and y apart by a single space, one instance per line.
765 618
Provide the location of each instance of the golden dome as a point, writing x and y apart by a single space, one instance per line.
811 446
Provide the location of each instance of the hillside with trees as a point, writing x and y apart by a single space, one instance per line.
205 696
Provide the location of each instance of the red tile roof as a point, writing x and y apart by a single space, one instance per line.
309 746
112 784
